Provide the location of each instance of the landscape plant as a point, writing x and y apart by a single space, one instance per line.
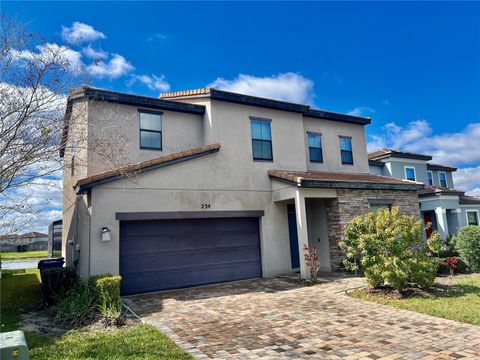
467 243
107 294
311 259
389 248
76 307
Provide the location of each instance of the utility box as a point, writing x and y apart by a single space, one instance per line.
13 346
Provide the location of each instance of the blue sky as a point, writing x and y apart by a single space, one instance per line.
413 67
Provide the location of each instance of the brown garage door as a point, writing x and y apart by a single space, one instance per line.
168 254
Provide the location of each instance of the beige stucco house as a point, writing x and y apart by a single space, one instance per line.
212 186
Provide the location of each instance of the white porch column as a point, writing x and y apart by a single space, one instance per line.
442 224
302 232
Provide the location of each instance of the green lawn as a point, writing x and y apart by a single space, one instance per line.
21 290
137 342
460 301
18 291
24 255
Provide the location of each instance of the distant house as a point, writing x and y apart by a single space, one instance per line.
445 207
30 241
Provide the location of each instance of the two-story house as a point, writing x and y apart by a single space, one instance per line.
219 186
441 205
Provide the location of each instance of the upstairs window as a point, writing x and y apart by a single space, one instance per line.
261 139
410 173
430 178
472 217
442 179
150 130
315 147
346 150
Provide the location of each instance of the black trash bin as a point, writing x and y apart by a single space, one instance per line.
51 263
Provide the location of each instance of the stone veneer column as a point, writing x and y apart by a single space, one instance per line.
442 223
302 232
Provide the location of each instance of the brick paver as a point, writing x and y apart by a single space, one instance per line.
281 319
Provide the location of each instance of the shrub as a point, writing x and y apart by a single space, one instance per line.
76 307
462 267
468 244
107 290
57 282
390 249
311 259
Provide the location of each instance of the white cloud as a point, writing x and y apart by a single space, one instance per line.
286 87
153 82
93 53
51 52
79 33
157 37
361 111
417 136
468 179
117 66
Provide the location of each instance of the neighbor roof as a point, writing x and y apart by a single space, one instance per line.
33 234
327 179
144 166
232 97
437 190
438 167
121 98
469 200
386 153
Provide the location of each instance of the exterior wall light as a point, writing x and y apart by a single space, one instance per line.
106 234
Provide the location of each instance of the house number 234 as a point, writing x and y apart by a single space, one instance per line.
205 206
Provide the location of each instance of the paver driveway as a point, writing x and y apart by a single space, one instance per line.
278 319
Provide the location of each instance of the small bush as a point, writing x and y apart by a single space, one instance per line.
57 282
107 290
468 244
76 307
443 269
391 250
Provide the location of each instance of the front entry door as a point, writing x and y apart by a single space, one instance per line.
292 232
427 218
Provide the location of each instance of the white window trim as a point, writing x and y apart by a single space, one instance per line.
446 179
430 172
473 211
414 172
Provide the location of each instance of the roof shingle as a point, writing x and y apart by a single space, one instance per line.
384 153
333 179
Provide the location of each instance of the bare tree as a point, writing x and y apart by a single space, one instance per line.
35 78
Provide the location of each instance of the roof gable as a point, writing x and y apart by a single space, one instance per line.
144 166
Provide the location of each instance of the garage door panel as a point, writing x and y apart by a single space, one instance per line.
167 254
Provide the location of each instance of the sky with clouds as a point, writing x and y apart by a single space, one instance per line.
412 67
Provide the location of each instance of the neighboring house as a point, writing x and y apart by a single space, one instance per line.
220 186
445 207
31 241
34 236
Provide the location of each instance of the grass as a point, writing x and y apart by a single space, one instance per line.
137 342
18 291
21 290
459 301
24 255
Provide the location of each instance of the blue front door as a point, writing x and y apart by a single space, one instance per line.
292 232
